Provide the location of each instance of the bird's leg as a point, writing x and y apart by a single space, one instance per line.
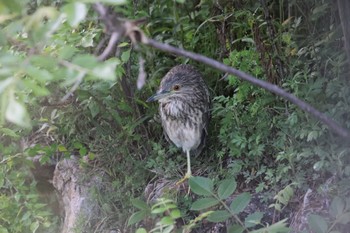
188 173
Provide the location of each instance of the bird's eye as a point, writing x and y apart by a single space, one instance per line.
176 87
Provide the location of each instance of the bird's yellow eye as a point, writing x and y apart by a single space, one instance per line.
176 87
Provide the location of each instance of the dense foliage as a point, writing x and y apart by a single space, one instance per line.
58 99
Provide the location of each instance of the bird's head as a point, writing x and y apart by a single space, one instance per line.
180 82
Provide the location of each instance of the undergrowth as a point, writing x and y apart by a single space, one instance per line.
258 141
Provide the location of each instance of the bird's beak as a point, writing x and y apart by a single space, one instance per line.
158 96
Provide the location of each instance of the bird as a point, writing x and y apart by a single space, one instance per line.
184 108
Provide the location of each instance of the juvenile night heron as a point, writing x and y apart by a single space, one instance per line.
184 104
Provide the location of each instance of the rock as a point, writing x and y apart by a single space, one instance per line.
80 210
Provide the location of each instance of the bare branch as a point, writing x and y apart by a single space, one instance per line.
129 29
112 43
257 82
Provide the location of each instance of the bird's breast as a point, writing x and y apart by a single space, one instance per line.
182 124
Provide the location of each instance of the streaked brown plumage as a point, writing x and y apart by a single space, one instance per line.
184 104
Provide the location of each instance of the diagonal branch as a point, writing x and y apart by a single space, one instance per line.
335 127
127 28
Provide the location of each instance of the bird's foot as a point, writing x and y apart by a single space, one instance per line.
186 177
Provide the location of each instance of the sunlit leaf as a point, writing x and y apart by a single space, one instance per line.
17 113
106 70
75 12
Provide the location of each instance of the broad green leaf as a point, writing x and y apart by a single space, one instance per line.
16 113
204 203
39 74
167 220
226 188
337 207
75 12
106 70
9 132
201 185
35 88
240 202
162 209
85 60
219 216
253 219
235 228
94 108
67 52
317 223
137 217
175 214
125 56
139 204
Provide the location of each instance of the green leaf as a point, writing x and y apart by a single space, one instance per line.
226 188
141 230
235 228
9 132
3 230
219 216
253 219
86 60
175 214
94 108
344 218
337 207
5 83
139 204
201 185
125 56
317 223
75 12
167 220
106 70
240 202
16 113
34 226
204 203
39 74
137 217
